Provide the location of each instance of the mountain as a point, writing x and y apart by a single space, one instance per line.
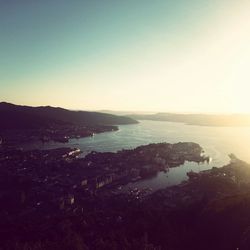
25 117
198 119
125 113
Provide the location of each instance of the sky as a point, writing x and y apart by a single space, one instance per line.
137 55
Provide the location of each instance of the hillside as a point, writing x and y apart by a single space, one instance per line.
25 117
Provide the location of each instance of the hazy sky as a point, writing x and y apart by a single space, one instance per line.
157 55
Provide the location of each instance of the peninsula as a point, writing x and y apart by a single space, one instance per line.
23 123
53 198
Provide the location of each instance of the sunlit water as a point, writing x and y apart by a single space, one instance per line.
217 142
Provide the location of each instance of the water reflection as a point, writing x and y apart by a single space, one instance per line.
217 142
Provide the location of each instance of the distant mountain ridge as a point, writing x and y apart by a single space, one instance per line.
25 117
198 119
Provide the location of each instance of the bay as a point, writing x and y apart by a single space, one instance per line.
217 142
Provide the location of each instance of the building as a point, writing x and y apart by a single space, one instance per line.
84 182
103 181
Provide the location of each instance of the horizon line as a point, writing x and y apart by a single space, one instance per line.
132 112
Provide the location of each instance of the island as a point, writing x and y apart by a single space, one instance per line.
211 120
